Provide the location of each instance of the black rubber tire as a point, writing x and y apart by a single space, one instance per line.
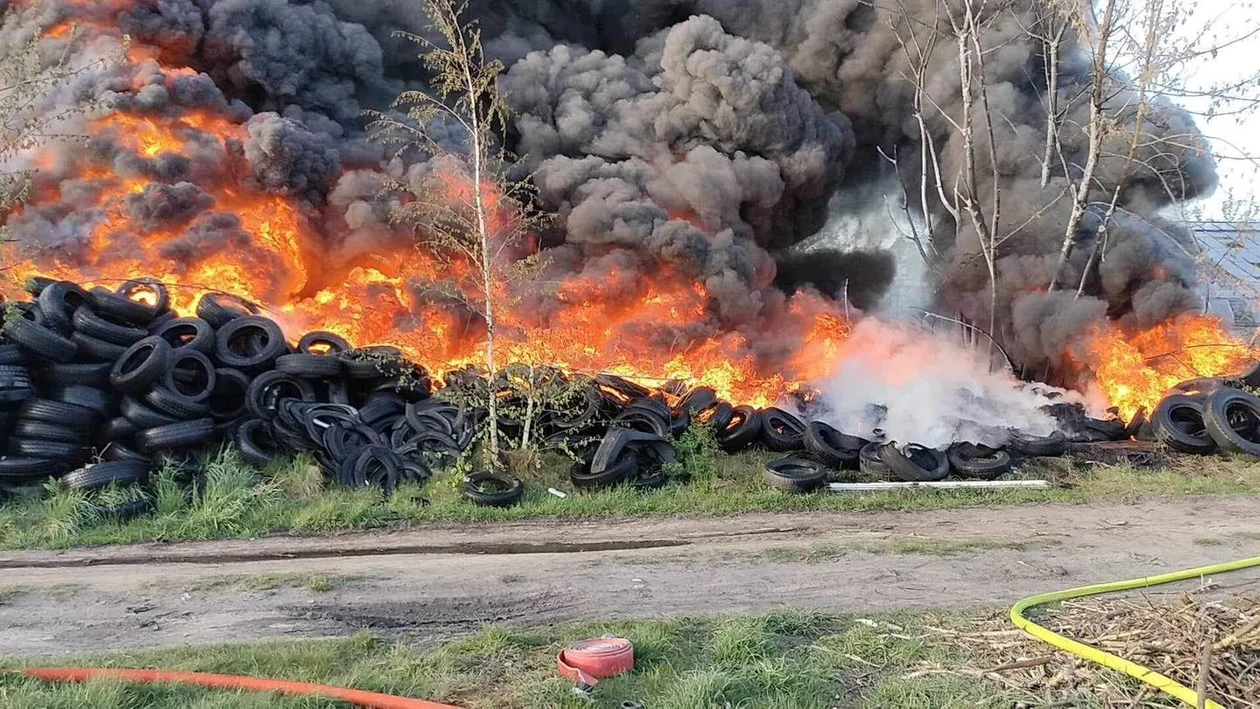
509 492
716 417
380 407
219 309
36 284
92 374
743 430
255 442
1201 386
119 428
18 468
59 301
88 322
830 447
373 466
1178 423
230 389
642 419
113 472
623 468
1232 418
144 416
40 341
870 463
11 354
319 342
161 297
44 431
679 422
92 349
371 362
15 385
191 375
123 450
698 400
969 460
122 309
309 366
141 365
191 333
98 400
795 474
128 511
781 431
918 464
175 404
268 389
183 434
1050 446
648 479
250 344
48 450
58 412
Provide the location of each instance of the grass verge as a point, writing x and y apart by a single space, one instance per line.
781 660
236 501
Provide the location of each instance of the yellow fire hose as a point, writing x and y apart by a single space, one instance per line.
1161 682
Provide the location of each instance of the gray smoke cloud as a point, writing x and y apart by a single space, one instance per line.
702 138
700 149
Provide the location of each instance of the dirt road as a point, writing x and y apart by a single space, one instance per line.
438 582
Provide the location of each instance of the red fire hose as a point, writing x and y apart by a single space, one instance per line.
371 700
588 661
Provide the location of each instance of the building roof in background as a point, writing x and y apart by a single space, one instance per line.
1230 267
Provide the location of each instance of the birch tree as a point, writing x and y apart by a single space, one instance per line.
467 208
28 76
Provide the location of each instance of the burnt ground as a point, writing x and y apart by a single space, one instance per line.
431 584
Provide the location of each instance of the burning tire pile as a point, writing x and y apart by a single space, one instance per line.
101 386
1209 415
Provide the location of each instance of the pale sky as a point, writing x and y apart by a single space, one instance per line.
1234 137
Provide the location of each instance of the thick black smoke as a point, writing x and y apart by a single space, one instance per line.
696 138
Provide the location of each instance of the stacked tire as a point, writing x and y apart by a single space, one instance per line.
1206 416
102 386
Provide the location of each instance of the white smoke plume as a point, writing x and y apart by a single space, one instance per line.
921 387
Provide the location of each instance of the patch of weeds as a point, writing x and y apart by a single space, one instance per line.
299 478
698 453
314 582
66 513
813 554
230 493
953 547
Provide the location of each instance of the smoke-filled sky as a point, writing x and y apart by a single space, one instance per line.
693 143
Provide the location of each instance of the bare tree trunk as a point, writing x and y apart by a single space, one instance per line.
487 269
526 434
1081 197
983 232
1052 47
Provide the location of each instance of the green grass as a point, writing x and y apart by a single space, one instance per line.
238 502
315 582
781 660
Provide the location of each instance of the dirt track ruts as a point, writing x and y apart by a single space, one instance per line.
438 581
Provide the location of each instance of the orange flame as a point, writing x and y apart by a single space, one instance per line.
593 322
1136 370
